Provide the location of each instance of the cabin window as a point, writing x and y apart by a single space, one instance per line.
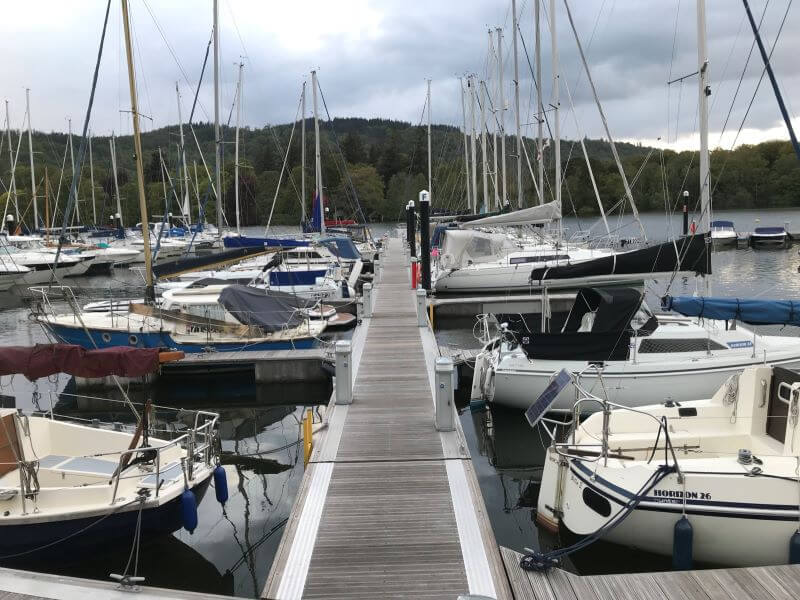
518 260
653 346
596 502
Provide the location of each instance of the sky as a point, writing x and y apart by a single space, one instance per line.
374 57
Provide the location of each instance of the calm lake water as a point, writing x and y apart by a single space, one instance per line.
232 549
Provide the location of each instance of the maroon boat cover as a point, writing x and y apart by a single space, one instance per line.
42 360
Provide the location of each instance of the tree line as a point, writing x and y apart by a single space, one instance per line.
371 168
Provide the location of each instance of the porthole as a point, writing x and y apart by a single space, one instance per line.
596 502
133 340
107 337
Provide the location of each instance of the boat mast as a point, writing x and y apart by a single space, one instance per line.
303 157
539 104
187 217
236 155
317 159
91 179
30 155
492 57
217 137
500 69
12 187
556 106
137 144
484 161
113 147
471 86
516 104
430 179
72 162
704 91
466 142
197 193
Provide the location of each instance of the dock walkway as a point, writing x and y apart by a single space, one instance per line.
389 507
756 583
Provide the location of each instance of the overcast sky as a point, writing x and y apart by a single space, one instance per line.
374 57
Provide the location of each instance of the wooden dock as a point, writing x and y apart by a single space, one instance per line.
757 583
389 507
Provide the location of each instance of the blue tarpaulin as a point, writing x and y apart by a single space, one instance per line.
753 311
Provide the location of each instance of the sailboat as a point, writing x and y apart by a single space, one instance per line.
644 357
722 469
67 487
501 252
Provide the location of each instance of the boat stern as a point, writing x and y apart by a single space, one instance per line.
548 508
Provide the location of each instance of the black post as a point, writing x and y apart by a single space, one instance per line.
408 224
412 228
772 80
425 239
685 213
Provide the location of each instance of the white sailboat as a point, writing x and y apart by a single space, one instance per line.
722 469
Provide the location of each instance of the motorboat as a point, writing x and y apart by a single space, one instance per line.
714 480
723 233
769 237
646 357
68 488
221 320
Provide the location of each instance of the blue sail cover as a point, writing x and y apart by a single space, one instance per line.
243 241
754 312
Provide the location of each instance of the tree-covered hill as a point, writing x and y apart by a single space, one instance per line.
378 165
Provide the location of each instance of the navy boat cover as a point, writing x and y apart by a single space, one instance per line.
272 311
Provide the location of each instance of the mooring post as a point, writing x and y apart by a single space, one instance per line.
380 265
425 239
367 291
414 272
444 417
422 309
685 212
412 228
344 372
376 267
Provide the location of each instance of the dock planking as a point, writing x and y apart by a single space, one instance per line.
388 507
757 583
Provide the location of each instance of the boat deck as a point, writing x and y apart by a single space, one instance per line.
758 583
389 507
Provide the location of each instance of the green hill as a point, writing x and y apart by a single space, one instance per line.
380 164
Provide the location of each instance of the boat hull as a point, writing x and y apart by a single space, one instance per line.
107 338
722 511
769 241
626 383
71 538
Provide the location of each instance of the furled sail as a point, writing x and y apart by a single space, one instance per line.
535 215
748 310
689 254
209 261
43 360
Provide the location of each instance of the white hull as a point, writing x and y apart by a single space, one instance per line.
627 384
719 525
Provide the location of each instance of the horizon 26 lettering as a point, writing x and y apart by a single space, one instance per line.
679 494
